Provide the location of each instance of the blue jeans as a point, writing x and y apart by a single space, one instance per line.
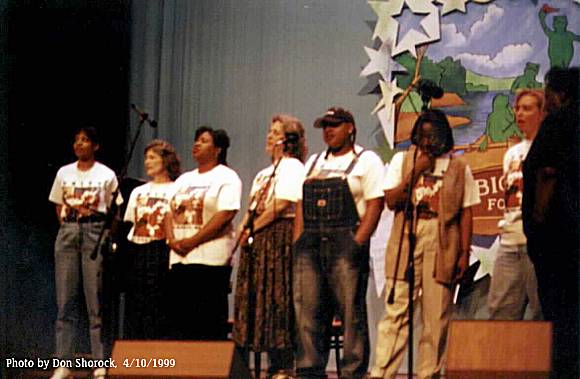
74 268
330 278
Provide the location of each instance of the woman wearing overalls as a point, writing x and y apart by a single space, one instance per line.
340 207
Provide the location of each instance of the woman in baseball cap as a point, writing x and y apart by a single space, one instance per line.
340 205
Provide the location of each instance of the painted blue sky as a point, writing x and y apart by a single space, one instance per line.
497 39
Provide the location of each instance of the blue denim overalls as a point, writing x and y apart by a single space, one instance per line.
330 278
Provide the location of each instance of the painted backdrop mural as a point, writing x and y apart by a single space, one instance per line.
480 53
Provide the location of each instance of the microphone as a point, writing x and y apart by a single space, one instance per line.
144 116
429 88
289 138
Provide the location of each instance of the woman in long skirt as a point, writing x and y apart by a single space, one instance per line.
264 317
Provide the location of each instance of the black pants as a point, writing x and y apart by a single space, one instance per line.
556 266
198 302
145 314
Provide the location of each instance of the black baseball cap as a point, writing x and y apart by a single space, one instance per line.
334 116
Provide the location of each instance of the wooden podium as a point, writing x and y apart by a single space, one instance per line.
499 349
190 359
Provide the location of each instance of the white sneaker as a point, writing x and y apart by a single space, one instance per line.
61 373
100 373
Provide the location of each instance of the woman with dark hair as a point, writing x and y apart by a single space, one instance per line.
201 238
264 314
339 209
82 192
148 251
442 193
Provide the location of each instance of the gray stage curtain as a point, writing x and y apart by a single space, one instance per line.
232 64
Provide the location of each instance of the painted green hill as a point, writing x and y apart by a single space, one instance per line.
477 81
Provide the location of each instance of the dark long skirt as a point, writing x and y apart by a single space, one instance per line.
264 313
145 315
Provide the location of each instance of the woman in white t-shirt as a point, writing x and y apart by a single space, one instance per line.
514 286
201 213
264 313
148 252
82 192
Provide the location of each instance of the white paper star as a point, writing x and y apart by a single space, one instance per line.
385 109
452 5
413 37
389 90
486 257
387 119
381 61
420 6
432 26
387 27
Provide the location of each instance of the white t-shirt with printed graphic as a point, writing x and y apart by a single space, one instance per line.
147 207
285 185
426 191
198 197
364 180
512 232
82 193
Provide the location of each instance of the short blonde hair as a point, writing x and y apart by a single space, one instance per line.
536 93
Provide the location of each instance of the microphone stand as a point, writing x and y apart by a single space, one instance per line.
408 220
253 212
409 214
109 217
249 225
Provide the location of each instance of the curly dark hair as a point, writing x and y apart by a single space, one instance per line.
220 138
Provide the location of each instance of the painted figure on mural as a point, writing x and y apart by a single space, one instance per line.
560 40
528 78
500 125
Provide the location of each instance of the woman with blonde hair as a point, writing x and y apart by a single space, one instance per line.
264 317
